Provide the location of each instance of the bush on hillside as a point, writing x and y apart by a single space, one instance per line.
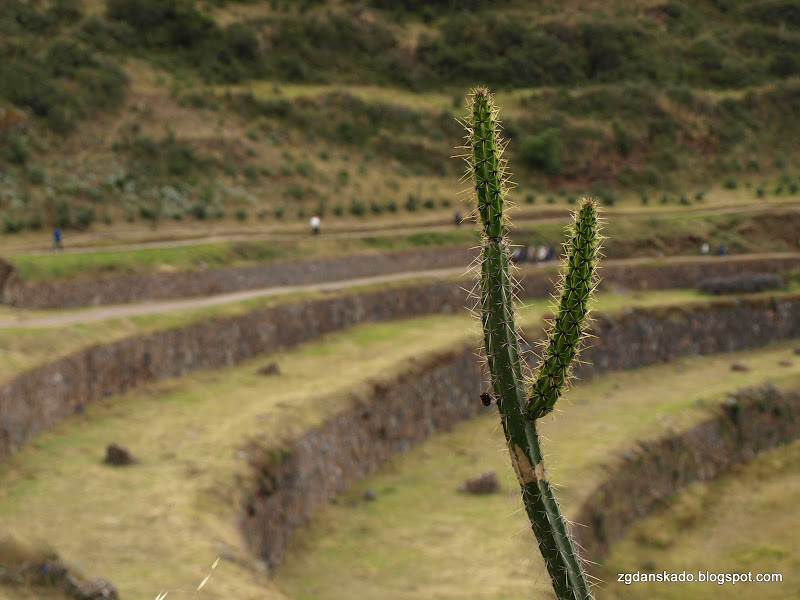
775 13
544 151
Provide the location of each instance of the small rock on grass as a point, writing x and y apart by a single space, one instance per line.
270 369
739 367
785 363
118 455
486 483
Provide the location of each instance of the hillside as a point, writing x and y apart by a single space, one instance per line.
142 111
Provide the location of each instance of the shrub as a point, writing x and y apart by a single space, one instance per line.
543 151
304 168
63 217
429 203
412 203
85 216
376 207
13 222
17 150
731 184
65 56
241 214
606 194
200 210
148 212
35 174
357 208
338 210
250 173
622 139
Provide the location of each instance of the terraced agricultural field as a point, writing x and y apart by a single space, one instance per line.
160 524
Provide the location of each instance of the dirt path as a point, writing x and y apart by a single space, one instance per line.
149 308
26 319
88 242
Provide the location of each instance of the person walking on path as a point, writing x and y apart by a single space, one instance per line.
315 223
57 245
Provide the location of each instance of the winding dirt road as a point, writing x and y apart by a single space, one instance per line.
37 319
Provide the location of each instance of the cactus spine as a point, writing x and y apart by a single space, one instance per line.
519 409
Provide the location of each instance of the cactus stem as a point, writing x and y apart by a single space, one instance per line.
519 408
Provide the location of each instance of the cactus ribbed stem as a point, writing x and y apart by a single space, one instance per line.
577 288
502 348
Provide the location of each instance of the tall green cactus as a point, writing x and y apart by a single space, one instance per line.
518 408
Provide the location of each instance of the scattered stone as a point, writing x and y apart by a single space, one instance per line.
797 350
270 369
95 589
80 409
118 455
785 363
487 483
739 367
370 495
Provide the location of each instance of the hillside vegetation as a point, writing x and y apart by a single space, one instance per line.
142 111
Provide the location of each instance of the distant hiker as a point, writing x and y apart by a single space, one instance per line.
723 250
315 222
704 249
530 254
57 245
517 255
541 254
551 253
457 218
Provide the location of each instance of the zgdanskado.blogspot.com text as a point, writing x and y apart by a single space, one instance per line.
699 577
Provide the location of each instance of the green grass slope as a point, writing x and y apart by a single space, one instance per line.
122 113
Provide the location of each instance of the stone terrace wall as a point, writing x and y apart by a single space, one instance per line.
671 274
749 422
161 286
38 399
430 397
682 273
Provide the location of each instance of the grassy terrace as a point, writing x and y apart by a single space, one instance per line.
160 524
742 228
724 526
426 539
